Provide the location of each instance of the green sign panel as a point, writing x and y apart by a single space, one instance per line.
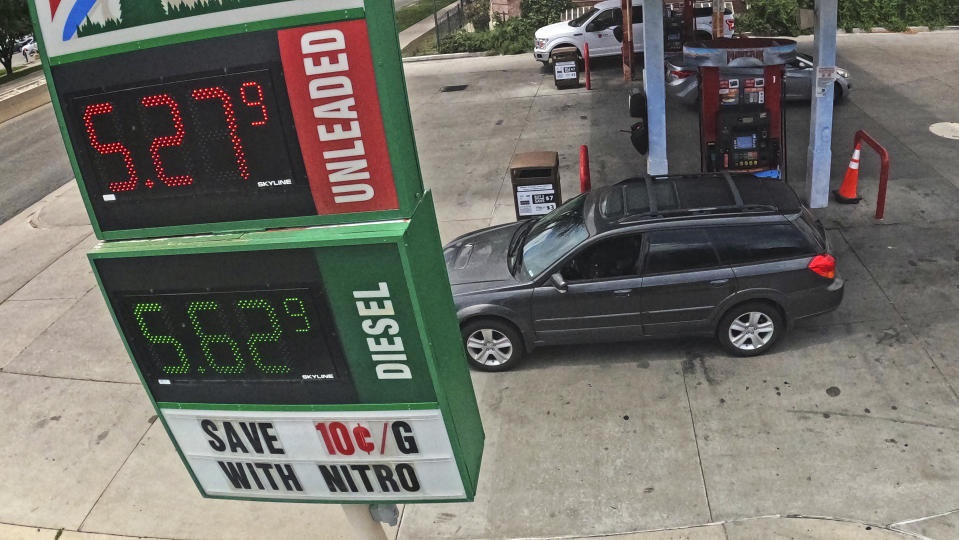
185 117
303 365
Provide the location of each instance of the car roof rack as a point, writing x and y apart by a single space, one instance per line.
650 198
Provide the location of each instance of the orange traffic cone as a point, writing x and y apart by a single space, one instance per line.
846 194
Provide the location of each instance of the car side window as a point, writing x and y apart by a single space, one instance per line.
611 258
679 250
745 244
610 17
637 14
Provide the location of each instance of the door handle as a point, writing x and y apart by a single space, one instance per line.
718 282
622 292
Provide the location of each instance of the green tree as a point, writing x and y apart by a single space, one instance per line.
542 12
770 18
14 24
137 12
477 12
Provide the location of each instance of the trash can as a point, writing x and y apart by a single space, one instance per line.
535 180
565 70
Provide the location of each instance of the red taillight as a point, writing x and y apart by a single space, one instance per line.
824 265
681 73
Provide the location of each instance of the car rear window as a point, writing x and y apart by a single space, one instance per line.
745 244
679 250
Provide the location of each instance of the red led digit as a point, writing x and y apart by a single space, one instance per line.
111 148
257 103
169 140
217 92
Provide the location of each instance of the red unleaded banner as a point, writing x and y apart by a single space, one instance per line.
332 88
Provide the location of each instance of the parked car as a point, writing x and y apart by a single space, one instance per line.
30 48
733 256
18 44
596 28
682 83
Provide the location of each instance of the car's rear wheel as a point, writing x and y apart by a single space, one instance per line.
837 93
492 345
750 329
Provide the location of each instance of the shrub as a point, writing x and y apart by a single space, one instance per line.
542 12
508 36
770 18
464 41
512 36
477 13
779 17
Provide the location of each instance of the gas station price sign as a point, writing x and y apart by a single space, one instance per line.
303 365
230 116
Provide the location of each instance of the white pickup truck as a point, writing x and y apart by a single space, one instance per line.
596 28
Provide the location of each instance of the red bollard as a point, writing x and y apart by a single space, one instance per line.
584 181
586 64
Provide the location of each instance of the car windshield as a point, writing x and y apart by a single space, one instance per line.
553 236
581 20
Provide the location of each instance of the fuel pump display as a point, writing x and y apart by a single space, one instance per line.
741 103
744 143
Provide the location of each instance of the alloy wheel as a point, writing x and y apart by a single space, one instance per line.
489 347
751 330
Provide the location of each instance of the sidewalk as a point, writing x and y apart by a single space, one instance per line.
419 29
764 528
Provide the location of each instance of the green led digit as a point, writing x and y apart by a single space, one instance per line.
161 340
301 312
206 339
264 337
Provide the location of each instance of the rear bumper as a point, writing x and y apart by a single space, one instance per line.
814 302
683 90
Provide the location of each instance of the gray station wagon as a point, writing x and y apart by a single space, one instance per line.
734 256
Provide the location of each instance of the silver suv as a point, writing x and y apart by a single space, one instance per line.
734 256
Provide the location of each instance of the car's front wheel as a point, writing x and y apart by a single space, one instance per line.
492 345
750 329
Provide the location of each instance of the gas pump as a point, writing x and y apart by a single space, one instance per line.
741 116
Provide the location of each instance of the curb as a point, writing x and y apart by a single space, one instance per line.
450 56
24 102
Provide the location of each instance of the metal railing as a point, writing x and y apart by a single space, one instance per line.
862 136
573 12
450 21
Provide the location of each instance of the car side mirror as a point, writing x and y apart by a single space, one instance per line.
618 33
558 282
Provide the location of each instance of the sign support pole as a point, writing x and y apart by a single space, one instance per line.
360 518
654 82
819 155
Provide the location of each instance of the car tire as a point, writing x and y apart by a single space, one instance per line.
636 102
750 329
837 93
492 345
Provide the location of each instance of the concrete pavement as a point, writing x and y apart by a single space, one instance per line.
848 430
